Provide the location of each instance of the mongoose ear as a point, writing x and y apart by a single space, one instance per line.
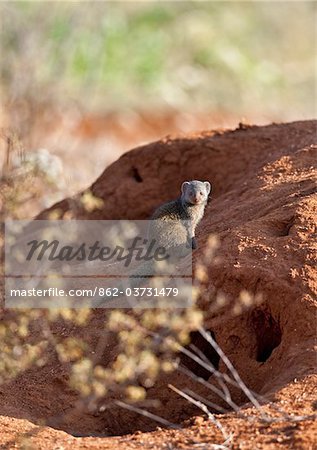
208 187
185 186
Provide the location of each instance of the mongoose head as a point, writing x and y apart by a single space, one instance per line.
196 192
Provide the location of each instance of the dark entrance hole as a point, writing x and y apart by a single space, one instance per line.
283 228
204 350
268 334
136 175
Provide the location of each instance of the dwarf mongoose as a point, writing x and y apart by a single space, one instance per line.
172 226
177 220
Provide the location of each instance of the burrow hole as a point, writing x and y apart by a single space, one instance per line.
268 334
204 350
136 175
283 228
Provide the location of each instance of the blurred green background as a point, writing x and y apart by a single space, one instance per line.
90 80
242 57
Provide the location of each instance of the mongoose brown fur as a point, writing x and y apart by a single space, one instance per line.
175 222
173 226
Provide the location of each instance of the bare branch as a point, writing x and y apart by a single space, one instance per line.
148 414
205 401
203 407
229 365
210 387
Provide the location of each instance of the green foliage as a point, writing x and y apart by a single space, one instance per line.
227 55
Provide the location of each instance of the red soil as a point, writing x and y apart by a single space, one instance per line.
264 212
